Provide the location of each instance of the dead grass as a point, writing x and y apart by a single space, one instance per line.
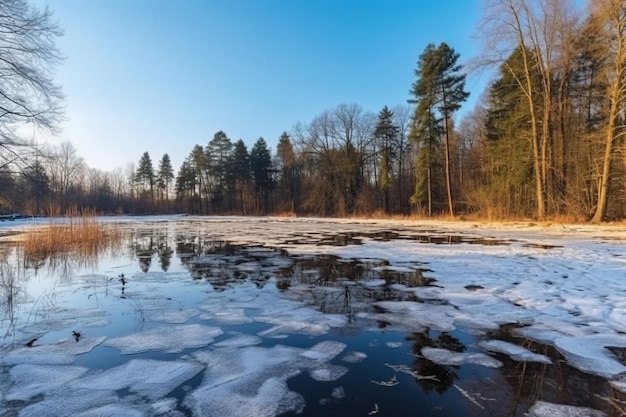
80 233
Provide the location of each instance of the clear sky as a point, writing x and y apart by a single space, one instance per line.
162 76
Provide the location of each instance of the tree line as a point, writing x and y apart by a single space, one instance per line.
546 139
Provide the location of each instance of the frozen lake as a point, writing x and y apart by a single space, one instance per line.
241 316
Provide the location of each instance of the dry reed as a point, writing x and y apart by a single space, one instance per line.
78 232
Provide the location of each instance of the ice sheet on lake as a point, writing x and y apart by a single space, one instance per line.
514 351
151 379
546 409
448 357
171 339
63 352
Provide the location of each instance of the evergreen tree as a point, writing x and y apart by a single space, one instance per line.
165 176
261 167
185 184
440 87
287 165
145 175
218 152
240 165
387 135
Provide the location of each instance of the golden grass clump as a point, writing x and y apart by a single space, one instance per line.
78 232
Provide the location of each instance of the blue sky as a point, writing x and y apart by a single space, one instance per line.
161 76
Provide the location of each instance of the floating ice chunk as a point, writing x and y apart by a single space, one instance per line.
302 320
324 351
171 339
417 315
589 353
29 380
328 372
67 402
272 398
174 316
112 410
63 352
338 393
227 316
354 357
150 378
448 357
546 409
394 345
514 351
239 340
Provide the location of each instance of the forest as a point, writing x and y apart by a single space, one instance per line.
545 140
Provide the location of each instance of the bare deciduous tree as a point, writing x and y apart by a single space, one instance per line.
28 57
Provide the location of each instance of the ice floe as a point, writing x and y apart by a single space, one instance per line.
448 357
546 409
149 378
169 339
62 352
354 357
29 380
328 372
514 351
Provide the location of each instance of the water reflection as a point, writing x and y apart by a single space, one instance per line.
347 287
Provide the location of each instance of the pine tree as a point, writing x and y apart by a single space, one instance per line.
387 135
261 167
440 87
165 176
145 174
240 166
